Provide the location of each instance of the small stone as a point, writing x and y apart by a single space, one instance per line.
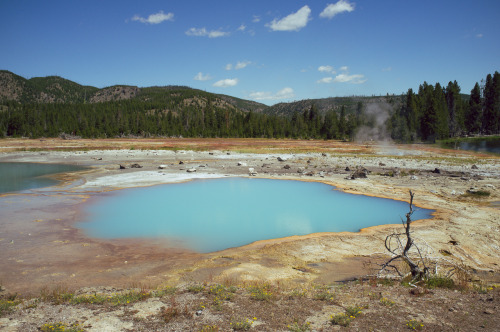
413 177
162 166
488 312
474 167
281 159
191 170
199 312
135 166
181 162
122 167
286 166
240 163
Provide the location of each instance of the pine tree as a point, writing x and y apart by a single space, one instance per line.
473 115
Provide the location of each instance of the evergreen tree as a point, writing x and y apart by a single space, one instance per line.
473 115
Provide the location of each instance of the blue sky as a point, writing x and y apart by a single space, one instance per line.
267 51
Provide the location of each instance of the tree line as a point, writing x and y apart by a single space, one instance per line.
432 113
437 112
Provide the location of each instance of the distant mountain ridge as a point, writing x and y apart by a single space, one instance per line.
55 89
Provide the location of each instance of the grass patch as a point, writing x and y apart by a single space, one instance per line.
414 324
477 193
242 325
261 292
437 281
60 327
8 304
296 327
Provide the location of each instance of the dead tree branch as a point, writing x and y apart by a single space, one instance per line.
401 250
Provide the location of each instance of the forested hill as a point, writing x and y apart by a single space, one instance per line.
53 106
323 105
55 89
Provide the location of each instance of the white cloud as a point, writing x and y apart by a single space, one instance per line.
154 18
205 33
241 28
239 65
256 19
242 64
479 35
354 79
293 22
201 77
228 82
285 93
336 8
344 68
325 80
326 69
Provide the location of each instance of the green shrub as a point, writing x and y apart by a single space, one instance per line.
437 281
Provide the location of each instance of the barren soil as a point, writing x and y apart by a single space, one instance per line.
41 248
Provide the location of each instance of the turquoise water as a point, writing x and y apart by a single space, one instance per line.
24 176
216 214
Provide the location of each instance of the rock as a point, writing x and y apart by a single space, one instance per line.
413 177
381 164
490 186
181 162
359 173
281 159
347 169
252 172
191 170
323 154
162 166
211 153
229 153
436 171
310 173
122 167
474 167
286 166
301 170
240 163
135 166
199 312
266 165
488 311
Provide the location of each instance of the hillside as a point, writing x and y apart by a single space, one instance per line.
334 103
55 89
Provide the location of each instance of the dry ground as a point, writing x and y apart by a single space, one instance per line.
41 248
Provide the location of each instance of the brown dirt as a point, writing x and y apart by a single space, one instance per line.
41 248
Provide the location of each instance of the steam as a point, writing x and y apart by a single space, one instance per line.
376 114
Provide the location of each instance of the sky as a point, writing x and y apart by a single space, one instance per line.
267 51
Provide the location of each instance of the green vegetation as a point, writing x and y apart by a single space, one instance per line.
242 324
8 304
414 324
53 106
60 327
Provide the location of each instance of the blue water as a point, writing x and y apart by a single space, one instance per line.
216 214
24 176
492 146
